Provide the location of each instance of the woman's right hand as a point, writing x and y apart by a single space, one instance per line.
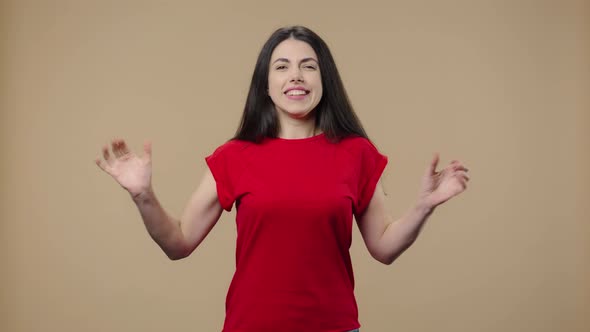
132 172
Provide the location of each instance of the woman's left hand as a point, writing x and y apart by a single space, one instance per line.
439 187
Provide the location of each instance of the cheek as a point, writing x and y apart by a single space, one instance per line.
275 95
319 90
317 84
273 89
274 86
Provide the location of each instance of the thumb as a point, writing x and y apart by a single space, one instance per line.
147 150
432 167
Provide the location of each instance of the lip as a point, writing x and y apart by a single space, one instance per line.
296 88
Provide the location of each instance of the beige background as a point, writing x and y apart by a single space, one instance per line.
502 85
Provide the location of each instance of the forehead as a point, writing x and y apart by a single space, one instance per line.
293 49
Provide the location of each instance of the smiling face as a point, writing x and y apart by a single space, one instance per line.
294 80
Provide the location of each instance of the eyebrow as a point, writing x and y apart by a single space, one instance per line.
302 60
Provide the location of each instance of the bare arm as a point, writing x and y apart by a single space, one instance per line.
386 239
177 238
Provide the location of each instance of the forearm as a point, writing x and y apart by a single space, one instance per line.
401 234
163 229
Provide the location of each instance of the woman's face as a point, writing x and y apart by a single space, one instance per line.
294 80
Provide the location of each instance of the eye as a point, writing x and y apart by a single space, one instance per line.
310 67
281 67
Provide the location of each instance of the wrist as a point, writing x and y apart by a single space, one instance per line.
144 196
424 207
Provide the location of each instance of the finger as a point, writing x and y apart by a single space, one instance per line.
460 167
123 147
105 154
116 143
463 184
432 167
147 150
457 165
463 179
462 174
101 164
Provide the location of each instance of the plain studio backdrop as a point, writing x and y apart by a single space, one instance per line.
502 85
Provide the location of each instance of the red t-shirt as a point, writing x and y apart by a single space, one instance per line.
295 201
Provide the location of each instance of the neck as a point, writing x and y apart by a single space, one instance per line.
290 128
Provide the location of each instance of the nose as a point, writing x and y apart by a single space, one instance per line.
296 76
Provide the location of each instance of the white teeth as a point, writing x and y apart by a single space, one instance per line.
296 93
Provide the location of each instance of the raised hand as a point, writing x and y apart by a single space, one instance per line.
439 187
132 172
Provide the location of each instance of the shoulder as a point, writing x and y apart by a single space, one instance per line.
232 147
358 145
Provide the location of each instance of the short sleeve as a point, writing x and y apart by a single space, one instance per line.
372 164
220 163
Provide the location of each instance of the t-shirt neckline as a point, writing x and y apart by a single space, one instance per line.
300 140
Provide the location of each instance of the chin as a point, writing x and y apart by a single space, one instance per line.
299 114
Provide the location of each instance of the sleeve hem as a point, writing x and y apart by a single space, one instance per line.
223 197
369 189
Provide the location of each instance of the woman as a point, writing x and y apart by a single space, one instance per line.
298 170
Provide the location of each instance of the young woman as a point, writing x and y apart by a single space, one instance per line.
298 169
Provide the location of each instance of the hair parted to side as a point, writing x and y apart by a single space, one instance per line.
334 113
